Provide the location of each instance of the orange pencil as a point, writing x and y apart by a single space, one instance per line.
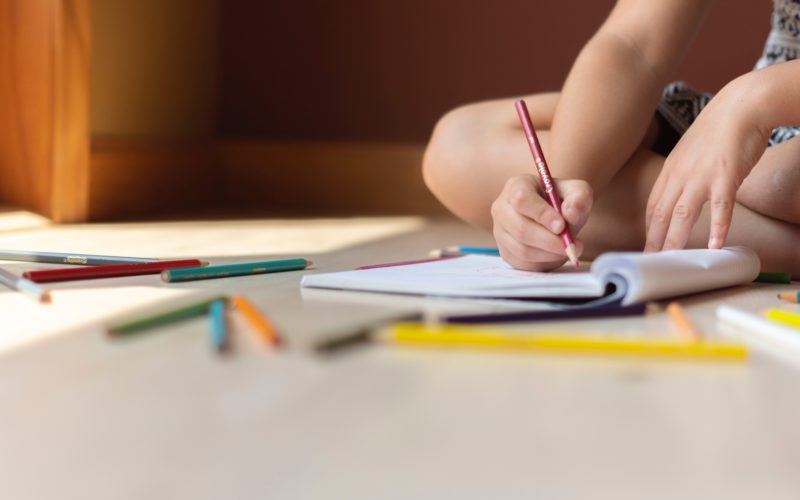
256 318
684 324
790 296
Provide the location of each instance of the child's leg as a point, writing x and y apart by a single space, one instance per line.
476 148
773 186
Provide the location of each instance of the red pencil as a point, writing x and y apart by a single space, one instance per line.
109 271
544 175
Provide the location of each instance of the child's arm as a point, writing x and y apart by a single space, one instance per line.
611 92
718 151
602 115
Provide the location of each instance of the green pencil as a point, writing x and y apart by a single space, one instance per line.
773 277
227 270
160 316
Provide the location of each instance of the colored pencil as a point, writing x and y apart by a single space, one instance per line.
257 319
25 286
229 270
160 314
219 325
110 271
579 342
360 335
406 262
481 250
773 277
784 317
685 326
69 258
607 310
760 328
793 297
544 175
457 251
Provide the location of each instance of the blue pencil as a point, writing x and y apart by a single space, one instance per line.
219 327
482 250
455 251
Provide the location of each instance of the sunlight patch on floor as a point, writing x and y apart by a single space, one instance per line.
20 220
211 238
73 309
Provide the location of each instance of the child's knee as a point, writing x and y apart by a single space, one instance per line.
448 152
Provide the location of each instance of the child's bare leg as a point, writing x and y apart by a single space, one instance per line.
476 148
773 184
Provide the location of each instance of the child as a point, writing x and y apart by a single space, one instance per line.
719 184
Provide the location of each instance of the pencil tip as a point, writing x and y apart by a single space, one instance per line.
572 254
309 264
45 298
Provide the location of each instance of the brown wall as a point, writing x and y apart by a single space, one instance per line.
154 67
376 70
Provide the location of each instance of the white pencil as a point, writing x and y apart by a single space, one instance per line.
25 286
760 328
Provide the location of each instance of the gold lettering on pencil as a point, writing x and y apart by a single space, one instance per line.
259 269
76 259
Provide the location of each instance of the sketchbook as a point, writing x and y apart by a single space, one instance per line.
616 277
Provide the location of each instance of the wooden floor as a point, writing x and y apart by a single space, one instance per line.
161 416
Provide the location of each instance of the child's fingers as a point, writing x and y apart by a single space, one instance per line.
684 215
721 207
527 231
524 257
655 196
660 219
578 199
523 197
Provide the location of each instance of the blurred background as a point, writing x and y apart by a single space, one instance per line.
197 107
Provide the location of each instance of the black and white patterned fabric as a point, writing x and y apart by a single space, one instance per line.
680 104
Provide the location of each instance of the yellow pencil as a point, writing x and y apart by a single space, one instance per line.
589 343
785 317
682 321
256 318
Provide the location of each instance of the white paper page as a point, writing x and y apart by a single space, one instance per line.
659 275
468 276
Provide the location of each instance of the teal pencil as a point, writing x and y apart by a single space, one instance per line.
219 326
228 270
481 250
456 251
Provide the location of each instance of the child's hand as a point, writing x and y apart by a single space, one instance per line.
527 228
709 163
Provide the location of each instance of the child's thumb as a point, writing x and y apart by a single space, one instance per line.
577 198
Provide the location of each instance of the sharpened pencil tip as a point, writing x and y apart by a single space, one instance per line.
309 264
572 254
45 297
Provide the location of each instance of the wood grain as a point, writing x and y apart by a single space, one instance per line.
44 106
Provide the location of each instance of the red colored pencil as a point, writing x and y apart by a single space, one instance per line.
544 175
110 271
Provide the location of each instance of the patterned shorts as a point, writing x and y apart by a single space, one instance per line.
679 106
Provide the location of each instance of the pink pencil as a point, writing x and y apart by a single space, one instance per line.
544 175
